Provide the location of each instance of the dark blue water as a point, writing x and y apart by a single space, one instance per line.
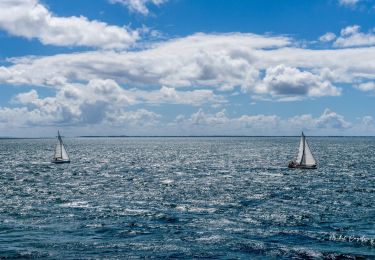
228 198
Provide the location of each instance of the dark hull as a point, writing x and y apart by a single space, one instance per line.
302 166
60 161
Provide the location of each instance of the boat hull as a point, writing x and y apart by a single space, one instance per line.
302 166
60 161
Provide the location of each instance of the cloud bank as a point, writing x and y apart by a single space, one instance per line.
220 123
264 65
32 20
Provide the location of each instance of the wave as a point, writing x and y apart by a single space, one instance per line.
353 239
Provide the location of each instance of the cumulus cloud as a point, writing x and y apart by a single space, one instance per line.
32 20
89 104
330 119
98 101
30 97
367 86
351 37
138 6
200 118
284 80
327 37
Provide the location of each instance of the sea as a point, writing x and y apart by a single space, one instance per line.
187 198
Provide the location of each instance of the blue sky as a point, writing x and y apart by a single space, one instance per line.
187 67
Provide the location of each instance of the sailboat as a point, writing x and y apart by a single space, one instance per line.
61 155
305 158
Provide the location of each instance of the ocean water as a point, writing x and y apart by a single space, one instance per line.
208 198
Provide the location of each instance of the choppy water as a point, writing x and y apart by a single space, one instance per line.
188 198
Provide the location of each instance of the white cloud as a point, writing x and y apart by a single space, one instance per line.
259 121
99 101
302 122
348 2
220 61
140 117
103 103
330 119
30 97
245 121
74 104
327 37
201 123
138 6
200 118
337 65
349 30
31 19
368 121
352 37
172 96
261 65
368 86
284 80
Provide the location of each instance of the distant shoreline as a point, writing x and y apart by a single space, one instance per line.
188 136
204 136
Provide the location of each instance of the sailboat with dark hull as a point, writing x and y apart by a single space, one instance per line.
61 155
305 158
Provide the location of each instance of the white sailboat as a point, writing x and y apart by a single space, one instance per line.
61 155
305 158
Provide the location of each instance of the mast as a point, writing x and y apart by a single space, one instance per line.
303 150
60 141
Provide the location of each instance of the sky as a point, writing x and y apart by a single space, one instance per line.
187 67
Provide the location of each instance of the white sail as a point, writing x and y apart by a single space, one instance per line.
61 155
305 157
64 154
308 157
58 153
300 150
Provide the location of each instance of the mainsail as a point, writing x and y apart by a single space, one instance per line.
300 150
305 156
60 152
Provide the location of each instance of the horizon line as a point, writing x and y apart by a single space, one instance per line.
180 136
